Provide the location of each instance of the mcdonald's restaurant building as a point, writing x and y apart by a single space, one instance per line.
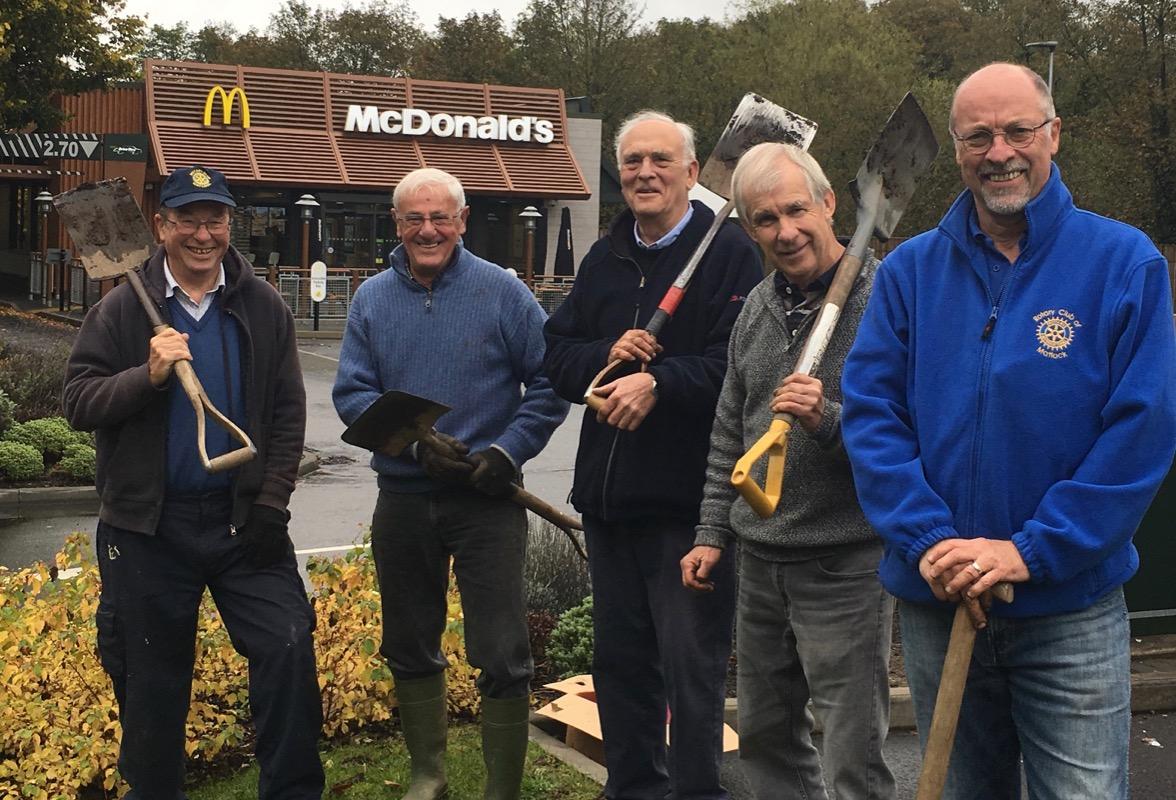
346 140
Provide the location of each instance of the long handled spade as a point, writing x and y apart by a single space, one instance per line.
397 419
112 238
884 185
946 717
755 120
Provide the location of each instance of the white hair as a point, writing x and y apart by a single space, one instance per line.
648 115
418 179
759 172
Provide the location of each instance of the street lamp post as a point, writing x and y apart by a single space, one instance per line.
44 202
529 215
306 205
1050 46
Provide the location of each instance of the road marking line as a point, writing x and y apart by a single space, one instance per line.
317 355
340 548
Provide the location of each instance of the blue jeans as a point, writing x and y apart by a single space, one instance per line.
818 629
658 643
1054 691
413 537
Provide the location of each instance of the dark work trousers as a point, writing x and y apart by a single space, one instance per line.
658 643
414 535
147 616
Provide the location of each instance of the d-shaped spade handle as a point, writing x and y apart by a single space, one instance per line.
773 444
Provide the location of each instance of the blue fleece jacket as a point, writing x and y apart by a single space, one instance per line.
473 342
1045 415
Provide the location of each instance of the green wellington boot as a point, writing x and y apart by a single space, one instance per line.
504 745
424 723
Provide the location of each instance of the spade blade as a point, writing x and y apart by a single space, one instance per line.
394 421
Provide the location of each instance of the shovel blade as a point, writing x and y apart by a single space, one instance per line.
901 154
106 227
393 422
756 120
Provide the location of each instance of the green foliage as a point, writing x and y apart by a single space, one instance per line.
59 728
78 461
569 650
19 461
50 435
49 47
33 380
7 412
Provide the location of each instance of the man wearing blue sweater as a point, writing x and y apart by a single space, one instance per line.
447 325
1010 412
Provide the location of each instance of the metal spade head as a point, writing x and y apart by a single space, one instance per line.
756 120
903 151
393 422
106 226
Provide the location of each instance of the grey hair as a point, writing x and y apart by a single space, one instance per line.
1045 98
758 172
416 180
648 115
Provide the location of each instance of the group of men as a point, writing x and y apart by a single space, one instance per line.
997 404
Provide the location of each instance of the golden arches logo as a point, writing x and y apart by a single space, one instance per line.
227 99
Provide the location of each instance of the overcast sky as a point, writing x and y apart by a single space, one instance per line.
256 13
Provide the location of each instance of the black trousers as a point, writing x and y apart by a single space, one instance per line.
147 617
658 643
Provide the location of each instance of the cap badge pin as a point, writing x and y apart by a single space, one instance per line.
200 179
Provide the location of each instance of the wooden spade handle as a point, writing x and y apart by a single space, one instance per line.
197 396
591 398
946 717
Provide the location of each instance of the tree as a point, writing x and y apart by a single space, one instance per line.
53 47
475 49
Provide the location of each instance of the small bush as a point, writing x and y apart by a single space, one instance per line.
33 380
50 435
78 461
569 650
556 575
19 461
7 412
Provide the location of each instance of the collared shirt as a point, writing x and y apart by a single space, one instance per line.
997 265
175 290
670 237
801 301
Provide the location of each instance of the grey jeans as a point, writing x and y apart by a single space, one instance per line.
818 629
414 535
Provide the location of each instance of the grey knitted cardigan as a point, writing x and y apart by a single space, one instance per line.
818 506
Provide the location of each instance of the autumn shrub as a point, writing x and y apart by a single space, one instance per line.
33 380
556 574
19 461
59 730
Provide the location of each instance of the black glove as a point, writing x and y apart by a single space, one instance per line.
444 458
265 535
493 472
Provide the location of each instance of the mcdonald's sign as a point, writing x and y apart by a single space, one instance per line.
227 99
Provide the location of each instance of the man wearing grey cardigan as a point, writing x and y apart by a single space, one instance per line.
813 620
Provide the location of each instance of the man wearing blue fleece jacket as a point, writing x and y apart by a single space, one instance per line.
1010 412
445 324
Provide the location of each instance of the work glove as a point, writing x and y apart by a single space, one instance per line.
265 535
443 458
493 474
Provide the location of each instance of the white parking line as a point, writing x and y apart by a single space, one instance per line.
338 549
318 355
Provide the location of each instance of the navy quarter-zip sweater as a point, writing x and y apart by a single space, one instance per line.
657 470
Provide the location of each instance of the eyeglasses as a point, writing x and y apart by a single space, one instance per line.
439 221
187 227
1018 137
632 163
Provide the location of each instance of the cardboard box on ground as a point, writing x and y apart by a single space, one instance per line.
576 709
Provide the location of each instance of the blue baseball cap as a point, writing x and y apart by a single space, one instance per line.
193 184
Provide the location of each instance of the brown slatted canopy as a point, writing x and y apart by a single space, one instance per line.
296 133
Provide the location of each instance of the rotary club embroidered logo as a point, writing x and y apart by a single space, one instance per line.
200 179
1055 331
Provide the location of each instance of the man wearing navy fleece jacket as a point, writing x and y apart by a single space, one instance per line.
1010 412
447 325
